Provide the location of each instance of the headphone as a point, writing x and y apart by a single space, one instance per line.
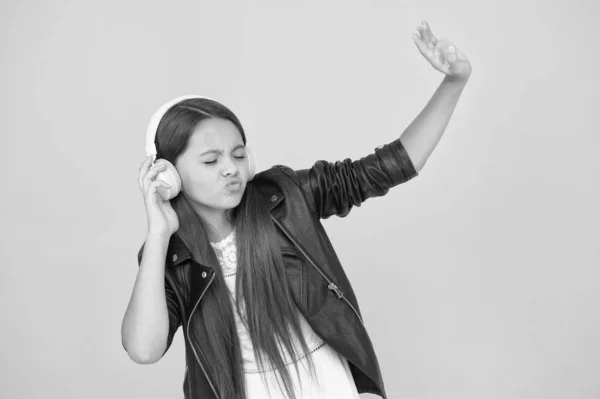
170 175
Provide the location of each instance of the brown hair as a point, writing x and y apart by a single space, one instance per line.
261 283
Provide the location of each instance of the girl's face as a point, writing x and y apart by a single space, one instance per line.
215 157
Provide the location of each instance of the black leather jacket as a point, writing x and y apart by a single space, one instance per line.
298 199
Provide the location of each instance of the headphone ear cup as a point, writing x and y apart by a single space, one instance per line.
169 176
251 163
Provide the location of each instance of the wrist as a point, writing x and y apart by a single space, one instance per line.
454 80
158 236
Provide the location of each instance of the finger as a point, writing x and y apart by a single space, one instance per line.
154 170
142 163
425 44
427 34
159 183
144 166
152 173
154 185
421 45
141 174
146 162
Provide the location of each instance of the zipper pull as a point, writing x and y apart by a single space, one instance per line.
334 287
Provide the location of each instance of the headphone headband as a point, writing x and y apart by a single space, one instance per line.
157 117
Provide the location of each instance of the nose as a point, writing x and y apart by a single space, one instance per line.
231 168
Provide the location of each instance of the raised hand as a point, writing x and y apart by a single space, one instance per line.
442 54
162 219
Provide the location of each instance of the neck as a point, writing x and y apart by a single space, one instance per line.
217 236
219 225
218 222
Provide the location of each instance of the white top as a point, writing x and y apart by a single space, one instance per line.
227 256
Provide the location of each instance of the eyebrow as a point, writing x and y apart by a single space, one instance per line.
220 152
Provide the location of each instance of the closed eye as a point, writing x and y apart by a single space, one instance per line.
212 162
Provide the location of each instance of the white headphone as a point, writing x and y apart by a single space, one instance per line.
170 175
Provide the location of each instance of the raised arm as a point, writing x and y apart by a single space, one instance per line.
333 188
423 134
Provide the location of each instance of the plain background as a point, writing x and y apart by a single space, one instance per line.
477 279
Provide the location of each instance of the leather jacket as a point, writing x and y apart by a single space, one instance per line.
297 200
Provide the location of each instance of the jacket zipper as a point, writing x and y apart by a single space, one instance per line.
331 284
192 345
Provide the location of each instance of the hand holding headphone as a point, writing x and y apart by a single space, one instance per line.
170 175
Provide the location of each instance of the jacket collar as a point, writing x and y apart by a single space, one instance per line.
178 252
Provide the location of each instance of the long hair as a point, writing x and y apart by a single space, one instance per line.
267 310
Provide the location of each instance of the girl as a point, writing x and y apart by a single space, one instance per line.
242 262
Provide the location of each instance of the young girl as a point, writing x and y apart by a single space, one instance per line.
242 262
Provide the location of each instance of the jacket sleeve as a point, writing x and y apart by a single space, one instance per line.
334 188
173 309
